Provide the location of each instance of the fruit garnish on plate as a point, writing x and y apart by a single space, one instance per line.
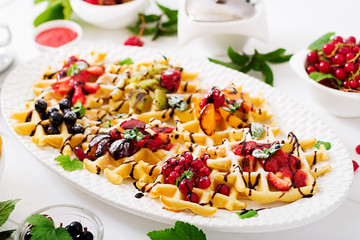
333 61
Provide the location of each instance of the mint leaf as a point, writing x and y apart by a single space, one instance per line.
233 107
133 134
44 229
177 102
67 164
318 76
126 61
319 43
6 234
266 152
186 174
171 14
326 144
78 108
75 68
247 213
181 231
51 13
237 58
227 64
67 8
6 209
258 153
257 130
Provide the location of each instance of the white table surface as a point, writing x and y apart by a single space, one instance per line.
292 25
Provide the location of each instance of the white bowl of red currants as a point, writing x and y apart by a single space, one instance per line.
64 220
330 66
109 14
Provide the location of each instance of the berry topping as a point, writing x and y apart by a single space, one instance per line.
214 96
192 197
134 41
171 78
52 130
133 123
357 149
185 186
65 104
55 118
223 189
74 228
204 182
77 128
312 57
70 118
40 105
278 183
80 155
300 179
355 165
123 148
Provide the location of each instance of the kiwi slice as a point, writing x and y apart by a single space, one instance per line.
160 99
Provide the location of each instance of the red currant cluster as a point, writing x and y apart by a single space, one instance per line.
339 58
173 171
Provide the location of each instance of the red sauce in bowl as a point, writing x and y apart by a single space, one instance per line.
55 37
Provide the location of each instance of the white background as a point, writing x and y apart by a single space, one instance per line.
292 25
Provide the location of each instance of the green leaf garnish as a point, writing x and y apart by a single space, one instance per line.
181 231
43 229
6 234
67 164
267 152
75 68
186 174
319 43
247 213
318 76
126 61
164 24
326 144
78 108
133 134
257 130
256 62
233 107
177 102
56 9
107 124
6 209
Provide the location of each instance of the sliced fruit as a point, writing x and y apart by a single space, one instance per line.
276 161
215 96
63 85
278 183
162 129
97 70
171 78
248 164
140 100
78 95
149 84
91 87
233 120
300 179
160 99
133 123
207 119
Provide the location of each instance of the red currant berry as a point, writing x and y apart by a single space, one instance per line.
204 171
353 84
346 84
344 50
172 161
358 83
204 182
192 197
349 67
339 59
197 164
181 161
349 56
328 48
194 171
187 155
351 39
223 189
312 57
355 49
338 39
324 67
173 176
185 186
204 157
166 170
166 181
355 165
179 169
340 74
357 149
310 69
134 41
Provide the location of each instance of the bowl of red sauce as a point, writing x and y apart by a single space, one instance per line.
57 33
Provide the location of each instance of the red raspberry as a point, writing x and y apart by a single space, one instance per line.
214 96
171 79
134 41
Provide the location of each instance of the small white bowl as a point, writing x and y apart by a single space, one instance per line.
55 24
109 16
336 102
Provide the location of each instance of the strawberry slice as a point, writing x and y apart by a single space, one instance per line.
294 162
133 123
63 85
97 70
91 87
355 165
162 129
278 183
276 161
78 95
300 179
248 164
